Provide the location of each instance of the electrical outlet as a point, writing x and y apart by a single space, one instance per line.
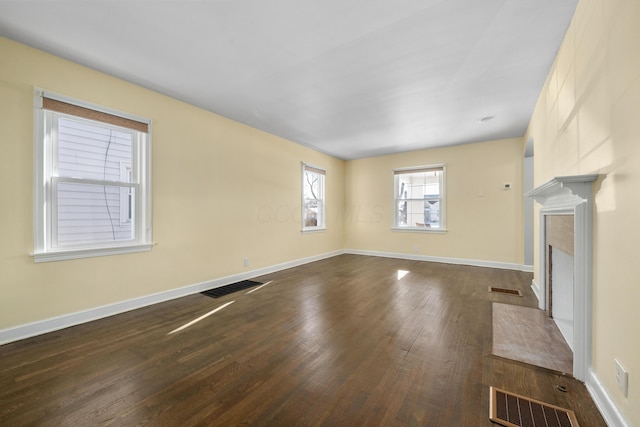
506 186
246 262
622 377
416 248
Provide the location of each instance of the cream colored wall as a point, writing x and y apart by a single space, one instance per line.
587 120
222 191
484 221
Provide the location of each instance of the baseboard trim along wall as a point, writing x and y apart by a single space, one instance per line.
56 323
536 289
608 409
445 260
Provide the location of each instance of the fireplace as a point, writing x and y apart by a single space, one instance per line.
559 256
565 234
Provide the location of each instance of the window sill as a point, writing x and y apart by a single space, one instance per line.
313 230
61 255
420 230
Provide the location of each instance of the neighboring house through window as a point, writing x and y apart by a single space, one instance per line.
92 180
419 198
313 198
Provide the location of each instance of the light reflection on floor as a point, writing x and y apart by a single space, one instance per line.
261 286
402 273
204 316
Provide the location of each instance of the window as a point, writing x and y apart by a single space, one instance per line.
419 198
313 205
92 180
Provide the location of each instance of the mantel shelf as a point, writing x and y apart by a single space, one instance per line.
563 190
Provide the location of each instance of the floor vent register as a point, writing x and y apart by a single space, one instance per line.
512 410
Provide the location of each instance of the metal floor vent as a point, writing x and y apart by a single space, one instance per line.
512 410
505 291
229 289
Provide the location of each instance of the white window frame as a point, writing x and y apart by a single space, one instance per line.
321 224
443 205
126 210
46 180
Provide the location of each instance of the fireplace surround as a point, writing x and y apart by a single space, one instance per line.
570 195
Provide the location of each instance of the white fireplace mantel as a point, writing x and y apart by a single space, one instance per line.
570 195
564 191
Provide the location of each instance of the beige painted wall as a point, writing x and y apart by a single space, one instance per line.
222 191
484 221
587 120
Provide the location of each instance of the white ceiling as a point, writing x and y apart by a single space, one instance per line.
352 78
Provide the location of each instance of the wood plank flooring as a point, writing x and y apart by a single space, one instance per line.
339 342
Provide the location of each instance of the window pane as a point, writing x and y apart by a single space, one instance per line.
419 185
312 185
432 213
311 213
90 213
313 181
91 151
419 198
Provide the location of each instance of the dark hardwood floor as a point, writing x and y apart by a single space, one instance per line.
339 342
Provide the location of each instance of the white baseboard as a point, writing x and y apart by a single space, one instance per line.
56 323
610 412
536 289
445 260
527 268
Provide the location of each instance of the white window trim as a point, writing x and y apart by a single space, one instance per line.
320 227
62 255
43 252
443 209
125 206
